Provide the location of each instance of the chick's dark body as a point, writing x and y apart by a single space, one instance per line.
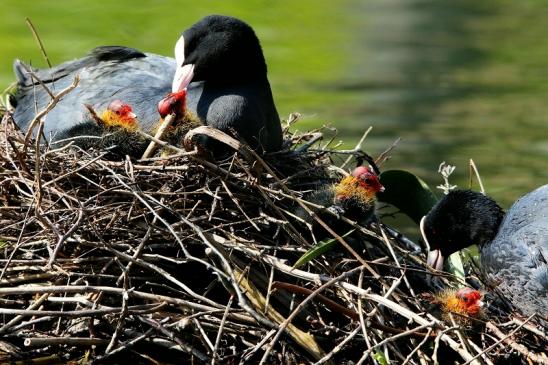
352 197
326 198
350 208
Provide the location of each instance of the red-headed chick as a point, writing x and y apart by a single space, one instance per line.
465 304
119 114
117 128
356 193
353 197
175 103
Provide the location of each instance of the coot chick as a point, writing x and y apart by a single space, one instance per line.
353 197
120 114
513 247
115 130
463 304
220 54
185 120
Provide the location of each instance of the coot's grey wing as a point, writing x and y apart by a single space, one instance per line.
69 68
532 207
107 73
31 96
518 256
141 83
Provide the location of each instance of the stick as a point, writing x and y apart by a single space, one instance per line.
48 108
358 146
516 346
37 38
159 134
474 169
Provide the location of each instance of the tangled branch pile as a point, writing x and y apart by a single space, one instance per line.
185 259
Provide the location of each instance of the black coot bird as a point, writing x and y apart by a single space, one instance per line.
219 60
513 247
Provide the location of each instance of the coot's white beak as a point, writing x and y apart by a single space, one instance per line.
435 259
183 74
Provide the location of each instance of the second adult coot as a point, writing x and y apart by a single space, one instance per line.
219 60
513 247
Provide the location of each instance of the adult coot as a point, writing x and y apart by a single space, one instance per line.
513 248
219 59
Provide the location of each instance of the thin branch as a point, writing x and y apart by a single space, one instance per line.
53 102
38 40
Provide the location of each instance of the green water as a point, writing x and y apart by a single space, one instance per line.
454 80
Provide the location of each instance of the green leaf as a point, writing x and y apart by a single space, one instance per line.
454 266
407 192
380 358
321 248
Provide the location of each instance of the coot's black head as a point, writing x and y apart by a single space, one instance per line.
460 219
218 49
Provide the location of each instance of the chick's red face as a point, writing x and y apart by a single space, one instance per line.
172 103
469 295
123 110
368 178
471 299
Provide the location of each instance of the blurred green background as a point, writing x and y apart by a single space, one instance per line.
454 79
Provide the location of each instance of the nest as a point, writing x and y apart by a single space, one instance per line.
187 259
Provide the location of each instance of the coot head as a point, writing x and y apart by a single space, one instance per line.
358 189
465 302
173 103
460 219
120 114
368 178
122 109
218 49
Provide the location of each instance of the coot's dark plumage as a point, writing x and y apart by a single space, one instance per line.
513 248
221 56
